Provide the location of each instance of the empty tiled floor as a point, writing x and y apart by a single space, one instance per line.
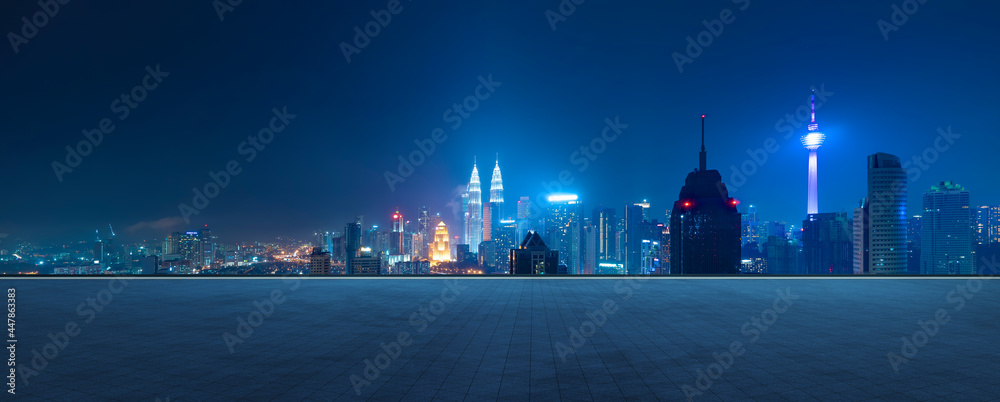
503 338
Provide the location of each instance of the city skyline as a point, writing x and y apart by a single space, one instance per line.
352 148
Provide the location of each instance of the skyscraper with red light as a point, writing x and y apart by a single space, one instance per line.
396 236
812 140
704 224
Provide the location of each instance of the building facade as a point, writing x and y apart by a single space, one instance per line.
947 237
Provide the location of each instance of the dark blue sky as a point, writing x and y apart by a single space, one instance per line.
353 119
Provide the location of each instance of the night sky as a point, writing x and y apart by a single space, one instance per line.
556 88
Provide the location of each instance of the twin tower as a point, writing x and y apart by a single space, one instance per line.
472 207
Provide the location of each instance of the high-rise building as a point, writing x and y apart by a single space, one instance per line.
465 218
589 248
475 215
319 262
704 224
664 248
396 241
827 242
812 140
650 264
352 241
463 254
528 218
172 243
496 194
645 210
947 234
563 229
533 257
783 256
365 263
423 235
605 227
150 264
188 246
860 254
749 227
440 250
506 239
882 219
488 213
206 247
488 255
914 227
987 225
633 234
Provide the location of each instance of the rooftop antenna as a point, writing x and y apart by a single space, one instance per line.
812 102
701 156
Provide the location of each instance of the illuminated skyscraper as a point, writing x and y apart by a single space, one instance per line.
352 241
396 236
812 141
496 194
750 227
880 222
605 227
947 234
827 241
563 225
633 233
704 224
987 224
474 230
440 250
645 210
527 218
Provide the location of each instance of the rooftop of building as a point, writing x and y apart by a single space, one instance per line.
511 338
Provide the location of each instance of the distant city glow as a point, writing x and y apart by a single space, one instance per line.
563 197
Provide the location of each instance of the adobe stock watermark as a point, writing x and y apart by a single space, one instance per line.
38 20
225 6
249 149
702 40
425 147
363 37
123 107
899 16
89 308
578 337
910 346
419 320
263 309
752 329
920 163
565 9
581 158
788 125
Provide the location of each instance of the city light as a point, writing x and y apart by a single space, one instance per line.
563 197
813 140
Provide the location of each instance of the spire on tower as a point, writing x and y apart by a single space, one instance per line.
701 155
812 103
